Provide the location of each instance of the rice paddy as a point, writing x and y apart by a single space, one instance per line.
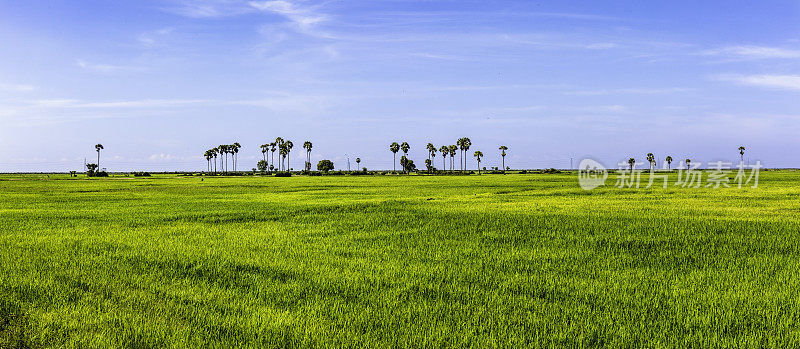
519 260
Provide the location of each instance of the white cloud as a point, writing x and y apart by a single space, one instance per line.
753 52
208 8
145 103
303 18
634 91
16 88
152 38
786 82
105 68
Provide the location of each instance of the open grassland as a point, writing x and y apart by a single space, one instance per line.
385 261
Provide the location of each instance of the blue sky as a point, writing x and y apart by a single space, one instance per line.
159 82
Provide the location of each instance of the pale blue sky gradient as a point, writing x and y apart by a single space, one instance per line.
159 82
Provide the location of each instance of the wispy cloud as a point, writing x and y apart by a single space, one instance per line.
786 82
16 88
302 16
208 8
152 38
106 68
633 91
145 103
752 52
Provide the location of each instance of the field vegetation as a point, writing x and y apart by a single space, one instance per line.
386 261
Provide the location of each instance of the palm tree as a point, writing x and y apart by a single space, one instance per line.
394 147
478 154
431 149
224 152
307 146
503 149
651 159
235 147
264 148
688 161
433 156
279 142
215 152
669 162
460 144
465 144
741 153
631 162
358 161
282 154
453 149
272 149
208 157
289 146
405 147
444 150
98 147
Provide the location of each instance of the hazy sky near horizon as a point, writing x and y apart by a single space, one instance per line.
158 82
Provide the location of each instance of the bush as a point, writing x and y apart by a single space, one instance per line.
523 172
283 174
141 174
315 174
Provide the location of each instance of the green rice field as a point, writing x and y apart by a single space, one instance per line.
518 260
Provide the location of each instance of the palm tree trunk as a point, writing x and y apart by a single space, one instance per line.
98 161
504 164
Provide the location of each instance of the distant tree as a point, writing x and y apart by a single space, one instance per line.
651 159
407 164
91 169
478 155
282 153
460 144
289 146
669 162
325 165
741 153
394 147
235 149
464 144
98 147
307 146
272 148
428 165
264 149
223 150
503 149
453 149
208 155
358 161
215 152
631 162
262 166
444 150
431 153
688 162
279 144
405 147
